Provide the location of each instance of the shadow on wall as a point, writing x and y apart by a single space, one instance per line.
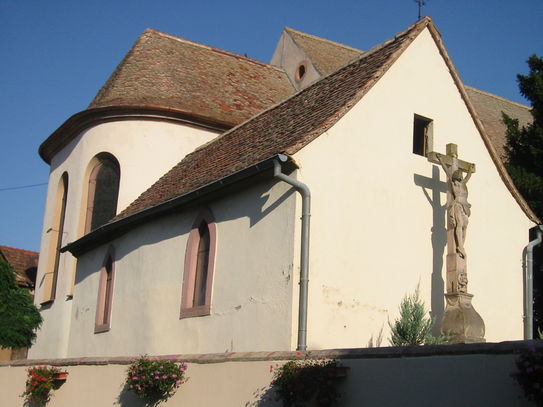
129 399
432 189
264 397
262 204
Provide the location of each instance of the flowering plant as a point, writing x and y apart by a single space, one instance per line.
39 383
155 380
530 374
298 381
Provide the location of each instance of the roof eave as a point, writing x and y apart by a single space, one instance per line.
121 226
91 117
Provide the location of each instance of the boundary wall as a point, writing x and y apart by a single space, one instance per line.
444 375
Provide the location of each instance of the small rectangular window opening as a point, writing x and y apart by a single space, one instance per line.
422 135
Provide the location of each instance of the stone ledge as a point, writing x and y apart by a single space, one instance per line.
509 347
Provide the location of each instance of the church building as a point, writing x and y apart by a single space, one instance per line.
205 202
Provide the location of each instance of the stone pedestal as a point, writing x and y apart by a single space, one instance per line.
461 323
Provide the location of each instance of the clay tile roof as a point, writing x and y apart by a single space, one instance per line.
169 72
327 56
489 108
284 128
21 260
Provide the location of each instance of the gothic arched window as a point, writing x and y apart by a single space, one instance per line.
199 267
103 191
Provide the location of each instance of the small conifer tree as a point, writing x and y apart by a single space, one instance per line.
19 317
413 327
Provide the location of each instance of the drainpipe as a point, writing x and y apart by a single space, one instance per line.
304 257
529 284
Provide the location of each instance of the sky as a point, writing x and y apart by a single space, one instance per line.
56 55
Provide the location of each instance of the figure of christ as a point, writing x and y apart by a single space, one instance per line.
459 208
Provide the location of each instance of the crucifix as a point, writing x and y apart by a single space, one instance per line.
458 212
461 323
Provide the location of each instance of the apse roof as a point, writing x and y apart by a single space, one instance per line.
166 71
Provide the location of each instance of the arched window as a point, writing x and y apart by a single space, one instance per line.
56 232
105 294
199 267
103 191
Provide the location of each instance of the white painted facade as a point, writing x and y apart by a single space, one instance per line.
145 150
252 283
372 222
375 235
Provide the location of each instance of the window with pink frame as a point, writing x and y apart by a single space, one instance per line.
199 266
105 294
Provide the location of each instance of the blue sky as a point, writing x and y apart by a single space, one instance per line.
57 54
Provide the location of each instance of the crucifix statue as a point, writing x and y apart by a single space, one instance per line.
461 322
458 212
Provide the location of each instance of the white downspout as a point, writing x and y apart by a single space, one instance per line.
304 257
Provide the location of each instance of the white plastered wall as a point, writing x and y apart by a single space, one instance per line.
371 223
252 283
145 151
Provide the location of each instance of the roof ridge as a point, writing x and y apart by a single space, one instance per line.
497 97
315 37
208 47
16 248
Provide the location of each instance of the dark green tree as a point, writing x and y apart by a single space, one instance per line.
19 317
524 150
524 146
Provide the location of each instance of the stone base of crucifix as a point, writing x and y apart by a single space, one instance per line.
461 323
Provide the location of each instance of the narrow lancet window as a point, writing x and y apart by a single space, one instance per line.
105 295
199 267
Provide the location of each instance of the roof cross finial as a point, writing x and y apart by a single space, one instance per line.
421 3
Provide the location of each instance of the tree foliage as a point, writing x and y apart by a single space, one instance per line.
413 327
524 147
19 318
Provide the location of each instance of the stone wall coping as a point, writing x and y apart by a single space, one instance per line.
509 347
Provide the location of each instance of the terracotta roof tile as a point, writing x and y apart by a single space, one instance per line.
284 128
21 260
327 56
169 72
489 108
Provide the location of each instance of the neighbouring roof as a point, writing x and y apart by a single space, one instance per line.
326 56
165 71
284 128
489 108
22 261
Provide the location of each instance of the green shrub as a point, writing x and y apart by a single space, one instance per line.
413 327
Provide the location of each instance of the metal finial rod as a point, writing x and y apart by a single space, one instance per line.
421 3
